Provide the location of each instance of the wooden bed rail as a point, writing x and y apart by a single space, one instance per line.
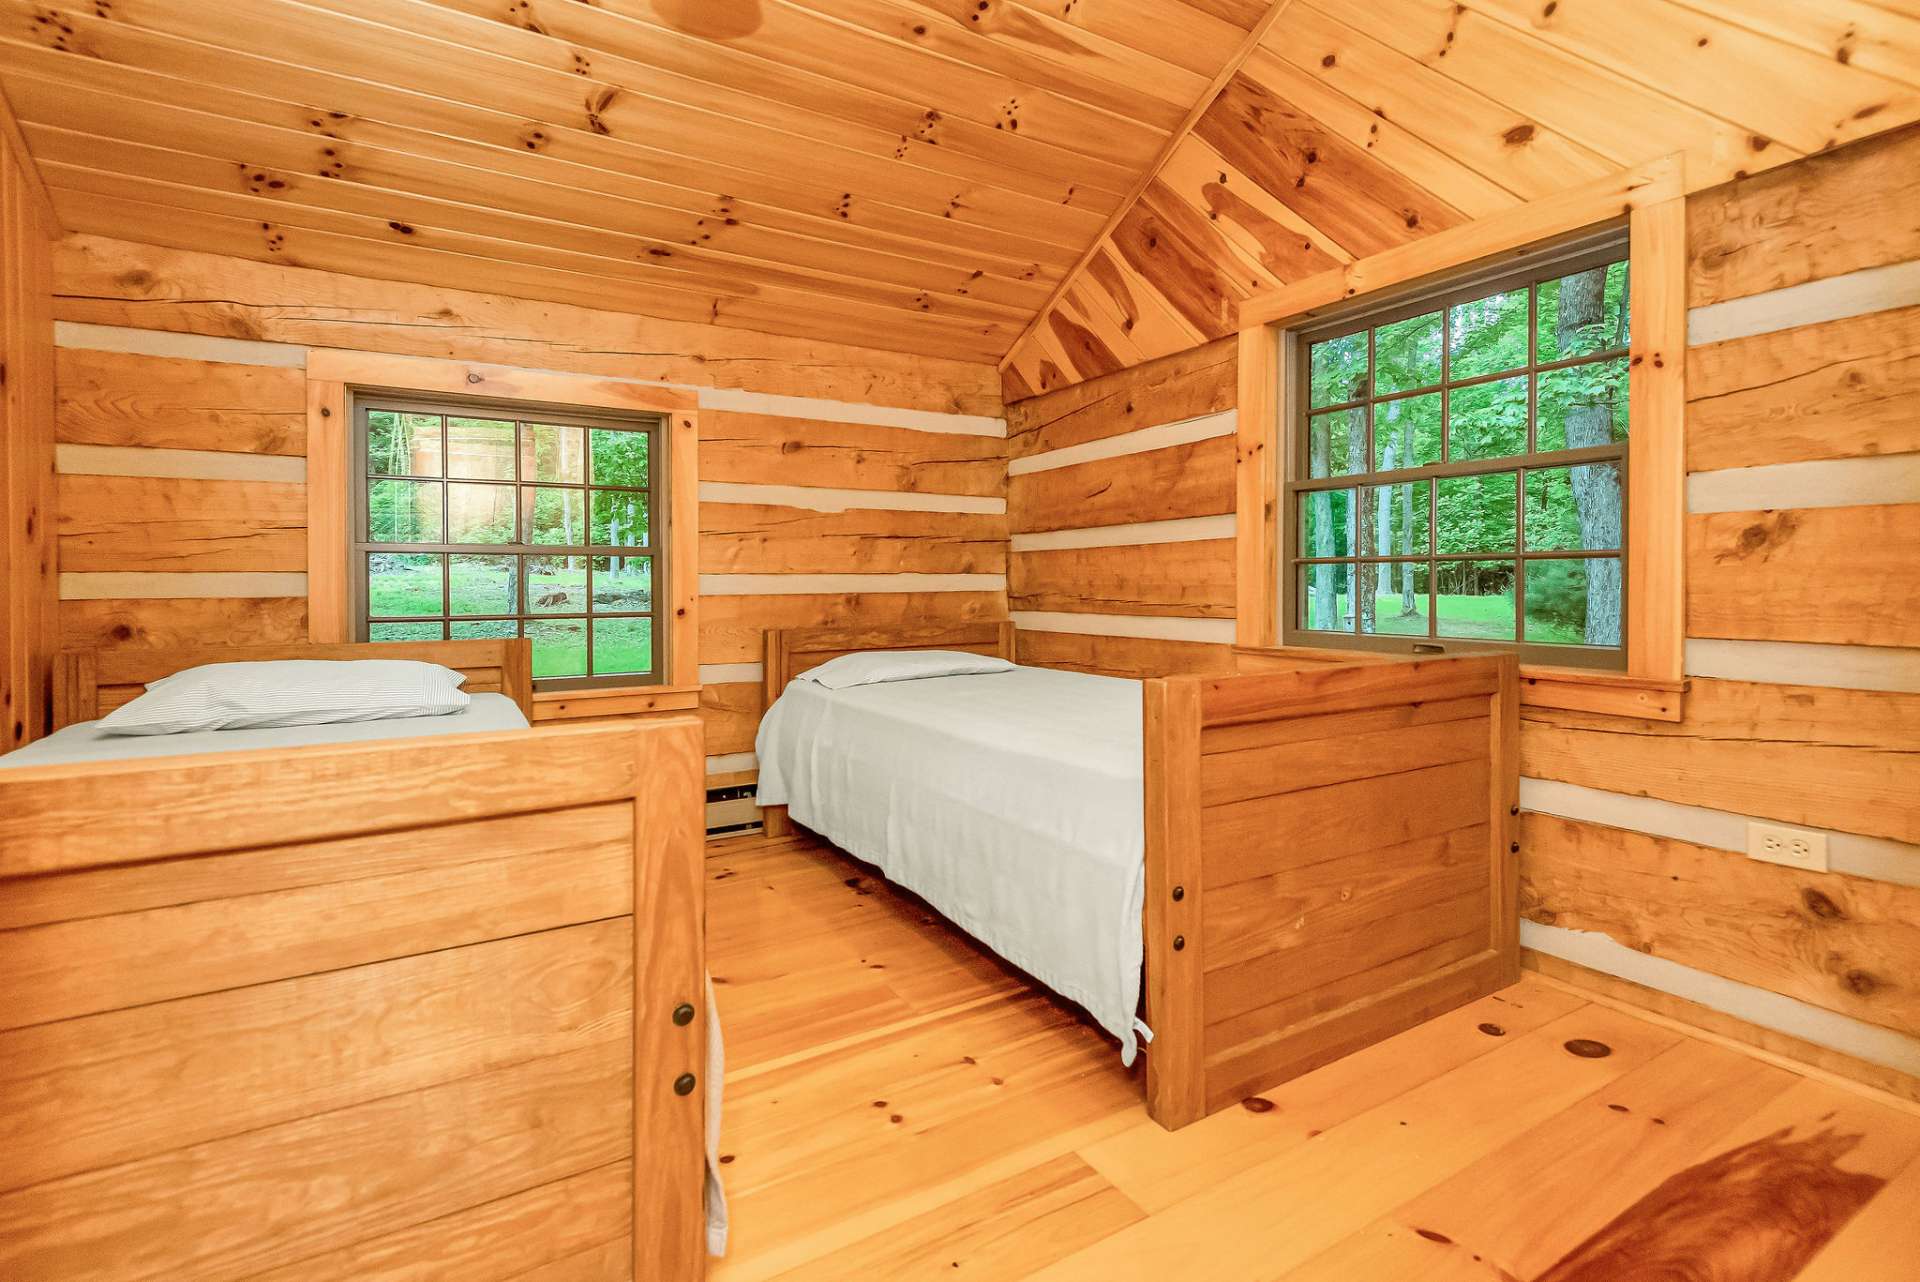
399 1006
1330 859
91 683
1330 850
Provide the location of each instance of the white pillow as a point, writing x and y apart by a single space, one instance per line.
289 692
872 667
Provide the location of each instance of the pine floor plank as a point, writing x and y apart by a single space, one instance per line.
1521 1208
901 1105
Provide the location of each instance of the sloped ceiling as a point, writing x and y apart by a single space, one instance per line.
1354 127
908 174
1068 186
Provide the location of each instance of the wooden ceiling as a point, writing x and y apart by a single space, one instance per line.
906 174
1337 139
1071 185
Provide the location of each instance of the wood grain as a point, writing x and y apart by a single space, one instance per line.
1326 1177
132 1083
1841 759
1838 942
1843 389
28 504
112 282
1185 580
777 450
754 538
1772 576
1134 657
165 402
120 523
1831 214
1159 485
241 1205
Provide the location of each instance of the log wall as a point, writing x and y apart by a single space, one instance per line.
838 485
1802 624
1803 649
1120 501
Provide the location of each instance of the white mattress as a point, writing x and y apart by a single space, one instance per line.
1011 802
83 742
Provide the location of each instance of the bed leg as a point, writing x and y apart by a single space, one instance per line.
776 821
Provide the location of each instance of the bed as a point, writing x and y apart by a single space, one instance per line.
1291 861
370 1001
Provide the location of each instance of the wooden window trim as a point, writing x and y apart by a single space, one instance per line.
331 373
1652 199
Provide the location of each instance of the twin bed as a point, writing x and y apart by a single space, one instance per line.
396 999
388 999
1303 857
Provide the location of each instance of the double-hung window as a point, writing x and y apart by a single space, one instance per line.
493 520
1456 468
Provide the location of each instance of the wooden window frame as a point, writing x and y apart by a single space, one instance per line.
1609 248
1651 199
332 377
362 402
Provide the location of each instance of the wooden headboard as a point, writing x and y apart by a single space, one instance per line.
791 651
91 683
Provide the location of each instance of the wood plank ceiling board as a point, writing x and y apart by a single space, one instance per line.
1339 137
910 175
1065 186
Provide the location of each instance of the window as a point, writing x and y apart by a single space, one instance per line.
486 520
1457 469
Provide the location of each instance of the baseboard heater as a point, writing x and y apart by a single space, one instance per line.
732 810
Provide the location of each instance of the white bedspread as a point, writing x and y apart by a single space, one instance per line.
1011 802
84 741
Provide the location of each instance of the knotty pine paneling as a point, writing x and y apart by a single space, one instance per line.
28 615
1336 138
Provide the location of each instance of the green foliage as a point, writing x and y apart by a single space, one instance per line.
1567 509
619 458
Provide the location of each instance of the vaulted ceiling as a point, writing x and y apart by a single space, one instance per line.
1354 127
1070 185
909 174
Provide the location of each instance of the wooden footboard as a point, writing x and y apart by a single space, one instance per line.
1330 859
386 1010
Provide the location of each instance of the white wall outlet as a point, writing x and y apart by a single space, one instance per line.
1794 847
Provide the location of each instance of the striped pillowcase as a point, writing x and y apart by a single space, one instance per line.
289 692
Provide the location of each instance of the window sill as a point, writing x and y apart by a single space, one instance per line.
1613 694
613 701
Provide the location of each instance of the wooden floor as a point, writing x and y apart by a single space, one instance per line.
902 1106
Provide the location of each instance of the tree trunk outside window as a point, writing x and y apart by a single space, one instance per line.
1596 487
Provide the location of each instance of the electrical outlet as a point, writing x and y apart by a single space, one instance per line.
1794 847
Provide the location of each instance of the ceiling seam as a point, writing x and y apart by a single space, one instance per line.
1213 91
